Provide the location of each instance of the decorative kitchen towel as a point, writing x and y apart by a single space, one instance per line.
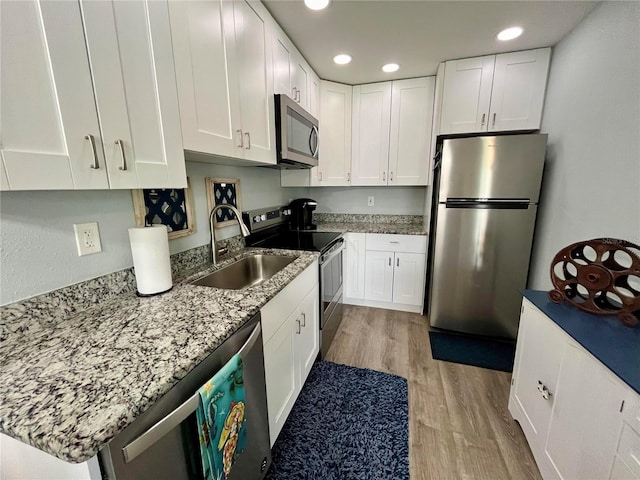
221 420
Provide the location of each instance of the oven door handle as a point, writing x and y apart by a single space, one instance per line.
333 251
177 416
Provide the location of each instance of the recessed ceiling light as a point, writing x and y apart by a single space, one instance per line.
342 59
390 67
316 4
510 33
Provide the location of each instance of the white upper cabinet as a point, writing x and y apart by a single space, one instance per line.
371 125
517 96
224 74
334 159
467 95
47 101
495 92
314 95
411 125
98 108
392 130
291 74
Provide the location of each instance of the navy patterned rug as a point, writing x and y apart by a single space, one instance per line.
470 350
347 424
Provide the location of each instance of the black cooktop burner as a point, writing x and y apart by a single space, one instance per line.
294 240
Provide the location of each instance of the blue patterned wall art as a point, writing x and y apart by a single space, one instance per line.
221 191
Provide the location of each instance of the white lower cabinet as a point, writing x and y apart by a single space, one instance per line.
570 407
385 270
291 336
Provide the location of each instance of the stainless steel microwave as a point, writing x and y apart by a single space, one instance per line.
296 134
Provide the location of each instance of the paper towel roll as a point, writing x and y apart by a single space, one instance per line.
150 250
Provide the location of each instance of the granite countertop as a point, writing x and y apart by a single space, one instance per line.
605 337
362 227
71 386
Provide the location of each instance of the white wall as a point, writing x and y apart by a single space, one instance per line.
37 244
592 115
387 200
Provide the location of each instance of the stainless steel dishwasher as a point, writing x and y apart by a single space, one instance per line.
163 441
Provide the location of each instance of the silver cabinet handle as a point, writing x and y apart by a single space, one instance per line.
483 117
544 390
320 176
299 100
348 176
384 176
389 261
177 416
299 329
123 166
397 262
391 176
494 120
92 141
248 137
240 144
304 319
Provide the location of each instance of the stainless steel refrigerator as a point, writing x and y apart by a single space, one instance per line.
483 218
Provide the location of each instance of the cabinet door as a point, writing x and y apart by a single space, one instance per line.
47 100
539 352
307 335
254 78
314 95
281 52
205 63
408 278
280 375
371 122
586 420
334 162
410 136
466 95
354 265
299 80
136 93
378 284
517 96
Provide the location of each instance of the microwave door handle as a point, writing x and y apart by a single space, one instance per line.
314 129
177 416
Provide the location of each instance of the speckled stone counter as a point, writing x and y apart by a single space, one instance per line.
70 385
607 339
364 223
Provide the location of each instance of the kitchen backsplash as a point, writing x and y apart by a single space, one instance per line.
367 218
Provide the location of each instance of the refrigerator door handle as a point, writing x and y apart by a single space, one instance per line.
505 203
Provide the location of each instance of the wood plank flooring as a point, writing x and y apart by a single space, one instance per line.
459 425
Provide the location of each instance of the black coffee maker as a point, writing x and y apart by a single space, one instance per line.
302 214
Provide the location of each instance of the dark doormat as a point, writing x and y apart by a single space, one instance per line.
480 352
347 424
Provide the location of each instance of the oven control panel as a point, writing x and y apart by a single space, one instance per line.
262 218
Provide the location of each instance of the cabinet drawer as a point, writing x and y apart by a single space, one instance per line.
284 303
629 449
396 243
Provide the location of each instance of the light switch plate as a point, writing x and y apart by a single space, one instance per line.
87 238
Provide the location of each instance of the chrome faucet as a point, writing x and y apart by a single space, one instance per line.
243 229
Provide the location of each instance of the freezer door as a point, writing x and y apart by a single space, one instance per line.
479 265
506 167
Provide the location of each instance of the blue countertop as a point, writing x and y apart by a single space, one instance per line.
605 337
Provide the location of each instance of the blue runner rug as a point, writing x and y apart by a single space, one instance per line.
347 424
480 352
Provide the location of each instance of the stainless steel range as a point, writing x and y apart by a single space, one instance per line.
271 228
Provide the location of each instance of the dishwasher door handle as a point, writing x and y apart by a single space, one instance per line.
177 416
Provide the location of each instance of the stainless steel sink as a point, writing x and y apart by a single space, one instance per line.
246 272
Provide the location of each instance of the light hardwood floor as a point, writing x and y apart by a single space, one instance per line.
459 425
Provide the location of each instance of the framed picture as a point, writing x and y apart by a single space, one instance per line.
222 191
172 207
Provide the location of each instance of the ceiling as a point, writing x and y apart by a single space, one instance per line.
417 34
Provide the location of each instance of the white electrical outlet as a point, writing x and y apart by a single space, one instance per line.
87 238
370 201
